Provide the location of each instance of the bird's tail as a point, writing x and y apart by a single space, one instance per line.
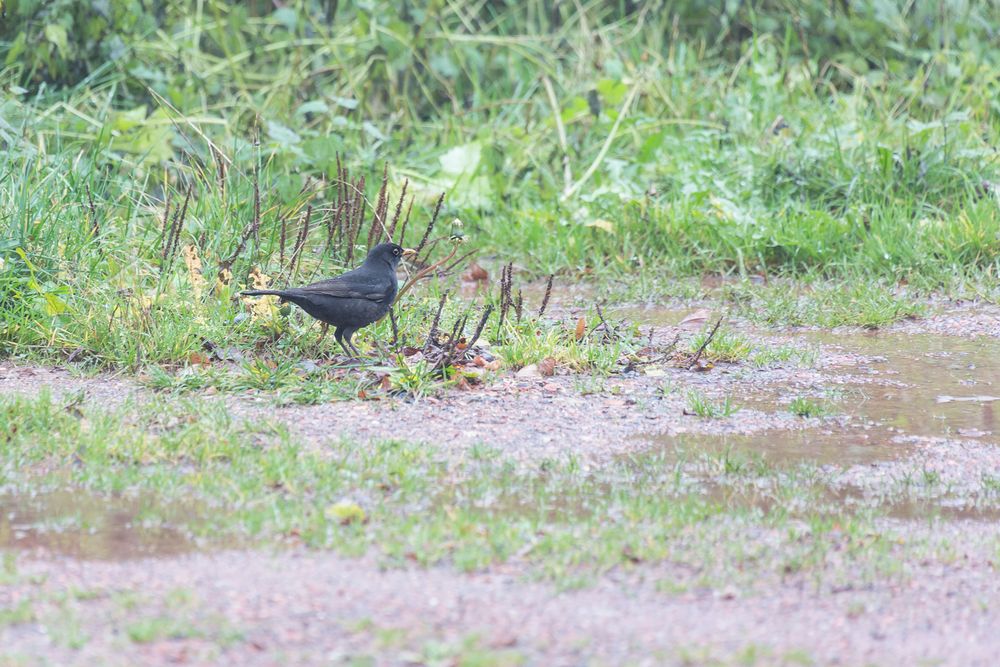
262 292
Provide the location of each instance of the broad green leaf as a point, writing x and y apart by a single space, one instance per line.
56 34
312 106
281 134
462 159
54 305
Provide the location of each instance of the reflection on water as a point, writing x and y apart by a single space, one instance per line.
83 525
918 371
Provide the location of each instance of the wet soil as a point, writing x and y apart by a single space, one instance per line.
84 525
913 402
306 609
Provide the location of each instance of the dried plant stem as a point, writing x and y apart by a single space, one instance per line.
704 344
423 273
430 226
482 325
399 209
548 294
432 334
402 230
300 243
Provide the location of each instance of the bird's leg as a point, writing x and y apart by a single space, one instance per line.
338 333
347 335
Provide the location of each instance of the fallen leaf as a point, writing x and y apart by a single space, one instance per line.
550 387
197 358
479 361
410 351
385 383
547 366
602 224
581 328
476 274
695 319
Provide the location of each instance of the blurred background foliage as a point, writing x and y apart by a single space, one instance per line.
829 138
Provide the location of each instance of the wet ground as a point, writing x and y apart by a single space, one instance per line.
885 408
89 526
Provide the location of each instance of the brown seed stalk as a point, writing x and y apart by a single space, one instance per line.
548 293
430 226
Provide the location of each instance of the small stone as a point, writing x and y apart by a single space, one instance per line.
529 371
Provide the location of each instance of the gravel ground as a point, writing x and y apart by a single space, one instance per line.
309 608
299 608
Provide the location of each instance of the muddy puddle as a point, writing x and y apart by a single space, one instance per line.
879 389
824 498
820 446
92 527
923 385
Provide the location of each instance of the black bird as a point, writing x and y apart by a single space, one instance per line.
352 300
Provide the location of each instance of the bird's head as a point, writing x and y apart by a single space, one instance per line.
388 253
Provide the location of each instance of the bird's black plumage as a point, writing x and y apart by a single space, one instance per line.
352 300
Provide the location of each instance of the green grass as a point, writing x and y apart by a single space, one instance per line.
858 166
408 503
802 406
699 404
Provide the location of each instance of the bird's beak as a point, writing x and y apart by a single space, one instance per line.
409 252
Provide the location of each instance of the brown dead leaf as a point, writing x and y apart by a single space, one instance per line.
410 351
547 367
492 365
476 274
197 358
696 319
479 361
385 383
550 387
581 328
702 366
463 383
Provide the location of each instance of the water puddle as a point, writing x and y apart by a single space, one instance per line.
820 446
850 499
921 385
889 385
87 526
692 318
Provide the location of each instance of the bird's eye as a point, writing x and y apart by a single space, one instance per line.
395 251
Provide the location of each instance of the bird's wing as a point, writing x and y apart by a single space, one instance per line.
351 286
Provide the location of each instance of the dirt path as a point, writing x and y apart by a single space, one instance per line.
318 609
890 426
